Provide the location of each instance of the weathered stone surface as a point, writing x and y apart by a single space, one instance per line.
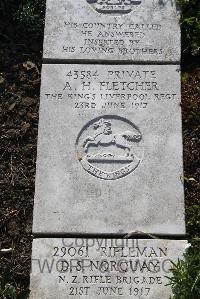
103 268
109 150
146 30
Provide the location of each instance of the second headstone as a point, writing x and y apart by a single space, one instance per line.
109 150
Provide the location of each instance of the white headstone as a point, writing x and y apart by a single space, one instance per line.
103 268
146 30
109 150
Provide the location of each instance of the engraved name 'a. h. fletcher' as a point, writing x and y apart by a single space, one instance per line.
109 147
114 6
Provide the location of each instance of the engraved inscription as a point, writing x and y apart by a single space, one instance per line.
107 268
134 88
109 147
114 6
113 38
114 30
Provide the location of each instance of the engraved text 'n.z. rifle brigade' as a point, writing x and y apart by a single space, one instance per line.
114 6
109 147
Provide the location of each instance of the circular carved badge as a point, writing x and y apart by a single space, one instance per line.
109 147
114 6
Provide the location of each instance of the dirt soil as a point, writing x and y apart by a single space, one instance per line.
19 102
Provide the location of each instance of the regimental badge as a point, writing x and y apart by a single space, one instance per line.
114 6
109 147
